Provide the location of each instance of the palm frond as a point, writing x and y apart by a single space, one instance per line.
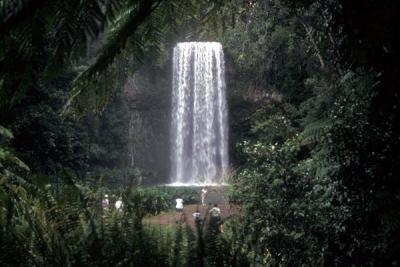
132 26
14 13
137 31
51 33
119 38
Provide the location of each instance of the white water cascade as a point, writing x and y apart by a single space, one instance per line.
199 131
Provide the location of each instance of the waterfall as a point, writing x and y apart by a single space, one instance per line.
199 132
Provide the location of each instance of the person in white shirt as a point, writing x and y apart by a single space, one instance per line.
118 204
179 204
179 209
203 196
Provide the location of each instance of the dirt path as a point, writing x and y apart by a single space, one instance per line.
215 195
172 217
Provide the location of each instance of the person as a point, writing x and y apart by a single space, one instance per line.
179 204
179 207
203 196
197 215
215 213
105 202
118 204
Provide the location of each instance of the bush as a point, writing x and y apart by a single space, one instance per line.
157 199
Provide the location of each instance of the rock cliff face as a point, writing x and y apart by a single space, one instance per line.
130 138
147 96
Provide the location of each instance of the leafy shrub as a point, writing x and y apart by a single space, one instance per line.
288 201
157 199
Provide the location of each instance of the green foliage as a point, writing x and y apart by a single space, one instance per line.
141 31
8 161
275 123
48 142
215 247
288 201
315 130
41 40
313 89
356 145
267 45
65 224
157 199
116 177
279 79
320 135
313 199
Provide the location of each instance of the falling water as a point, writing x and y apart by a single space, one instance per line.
199 132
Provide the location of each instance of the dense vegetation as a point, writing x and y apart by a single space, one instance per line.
314 121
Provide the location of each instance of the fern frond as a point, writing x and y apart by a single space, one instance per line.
314 131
